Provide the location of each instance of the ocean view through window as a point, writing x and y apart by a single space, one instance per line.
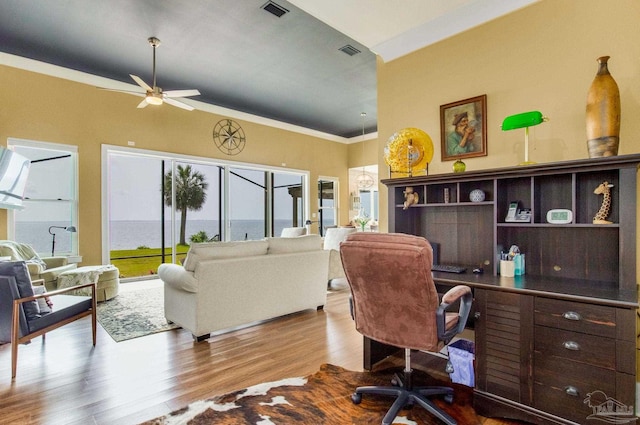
151 196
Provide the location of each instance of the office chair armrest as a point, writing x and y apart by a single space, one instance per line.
351 311
457 293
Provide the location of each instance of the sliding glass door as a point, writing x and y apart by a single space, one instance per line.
247 204
327 208
197 210
288 201
159 205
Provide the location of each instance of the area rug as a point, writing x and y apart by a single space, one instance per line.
134 313
322 398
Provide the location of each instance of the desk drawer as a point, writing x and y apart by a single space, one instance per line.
561 388
587 349
578 317
560 372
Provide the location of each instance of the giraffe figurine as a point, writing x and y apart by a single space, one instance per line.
601 216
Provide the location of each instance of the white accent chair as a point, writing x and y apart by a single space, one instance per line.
332 239
293 232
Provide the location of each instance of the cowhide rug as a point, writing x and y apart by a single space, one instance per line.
322 398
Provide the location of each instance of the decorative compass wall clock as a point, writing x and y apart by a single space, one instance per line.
229 137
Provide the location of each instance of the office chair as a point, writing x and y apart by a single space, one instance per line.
394 301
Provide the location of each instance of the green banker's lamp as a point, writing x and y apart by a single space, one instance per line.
526 120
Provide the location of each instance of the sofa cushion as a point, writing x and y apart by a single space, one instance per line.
214 250
18 269
298 244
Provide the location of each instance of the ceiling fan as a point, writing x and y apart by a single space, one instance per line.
154 95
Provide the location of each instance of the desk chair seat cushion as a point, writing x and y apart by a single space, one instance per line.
64 307
18 269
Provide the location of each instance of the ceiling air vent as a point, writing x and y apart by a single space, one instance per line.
274 9
349 49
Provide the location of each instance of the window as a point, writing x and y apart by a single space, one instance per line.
369 203
51 195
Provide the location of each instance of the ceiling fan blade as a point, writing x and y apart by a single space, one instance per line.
140 82
122 91
179 104
143 103
181 93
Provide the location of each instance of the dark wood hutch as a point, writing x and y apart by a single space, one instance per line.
565 329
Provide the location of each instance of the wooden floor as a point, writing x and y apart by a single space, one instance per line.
66 381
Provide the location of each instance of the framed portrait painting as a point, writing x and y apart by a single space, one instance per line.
463 128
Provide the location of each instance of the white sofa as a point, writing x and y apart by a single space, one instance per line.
223 285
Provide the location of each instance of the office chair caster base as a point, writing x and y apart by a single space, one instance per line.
356 398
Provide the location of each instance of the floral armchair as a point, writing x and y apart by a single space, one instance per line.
45 268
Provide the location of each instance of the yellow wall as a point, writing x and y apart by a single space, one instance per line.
44 108
541 58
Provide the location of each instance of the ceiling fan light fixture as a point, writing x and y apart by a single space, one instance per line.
153 100
154 95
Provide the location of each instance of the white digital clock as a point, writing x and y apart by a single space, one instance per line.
559 216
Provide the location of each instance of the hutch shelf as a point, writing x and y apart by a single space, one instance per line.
565 329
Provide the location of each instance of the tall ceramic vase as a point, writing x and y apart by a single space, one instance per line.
603 113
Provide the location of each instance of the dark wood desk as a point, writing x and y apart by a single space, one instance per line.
568 327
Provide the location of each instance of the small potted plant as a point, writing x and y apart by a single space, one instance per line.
361 219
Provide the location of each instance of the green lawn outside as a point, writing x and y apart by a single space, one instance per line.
143 261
